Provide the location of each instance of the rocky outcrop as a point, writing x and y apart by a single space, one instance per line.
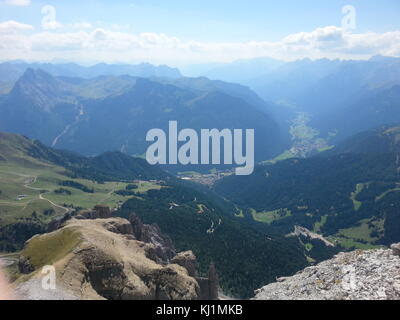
98 212
100 258
188 261
358 275
209 287
396 249
164 249
104 259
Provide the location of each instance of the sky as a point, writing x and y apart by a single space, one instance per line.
180 32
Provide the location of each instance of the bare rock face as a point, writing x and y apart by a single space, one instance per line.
24 266
98 212
396 249
103 259
119 226
187 260
164 249
358 275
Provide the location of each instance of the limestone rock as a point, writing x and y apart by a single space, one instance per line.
358 275
188 261
98 212
396 249
99 259
164 249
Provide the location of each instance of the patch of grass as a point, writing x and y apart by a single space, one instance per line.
357 204
19 180
240 214
308 246
270 216
363 231
352 244
50 248
326 148
318 225
283 156
361 236
145 186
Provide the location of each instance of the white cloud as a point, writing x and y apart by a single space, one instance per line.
106 45
12 26
82 25
20 3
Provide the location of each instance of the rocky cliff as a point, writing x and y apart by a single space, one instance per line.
108 258
358 275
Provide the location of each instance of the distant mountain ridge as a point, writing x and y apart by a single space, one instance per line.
107 113
11 71
384 139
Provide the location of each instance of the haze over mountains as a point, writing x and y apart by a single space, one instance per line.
116 112
341 96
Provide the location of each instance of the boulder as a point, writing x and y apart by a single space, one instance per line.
396 249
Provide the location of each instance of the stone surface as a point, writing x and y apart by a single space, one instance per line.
396 249
98 212
163 250
358 275
104 261
188 261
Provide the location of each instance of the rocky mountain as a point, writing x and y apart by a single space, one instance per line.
358 275
108 113
341 97
239 71
38 106
109 258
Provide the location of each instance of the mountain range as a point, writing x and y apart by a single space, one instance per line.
341 97
115 113
327 150
11 71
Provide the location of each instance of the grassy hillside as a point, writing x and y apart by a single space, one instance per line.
33 191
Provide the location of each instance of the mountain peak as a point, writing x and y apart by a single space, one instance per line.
39 88
36 75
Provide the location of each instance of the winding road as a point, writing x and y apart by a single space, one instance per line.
32 180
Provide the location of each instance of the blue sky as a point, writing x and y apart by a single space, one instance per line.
218 21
